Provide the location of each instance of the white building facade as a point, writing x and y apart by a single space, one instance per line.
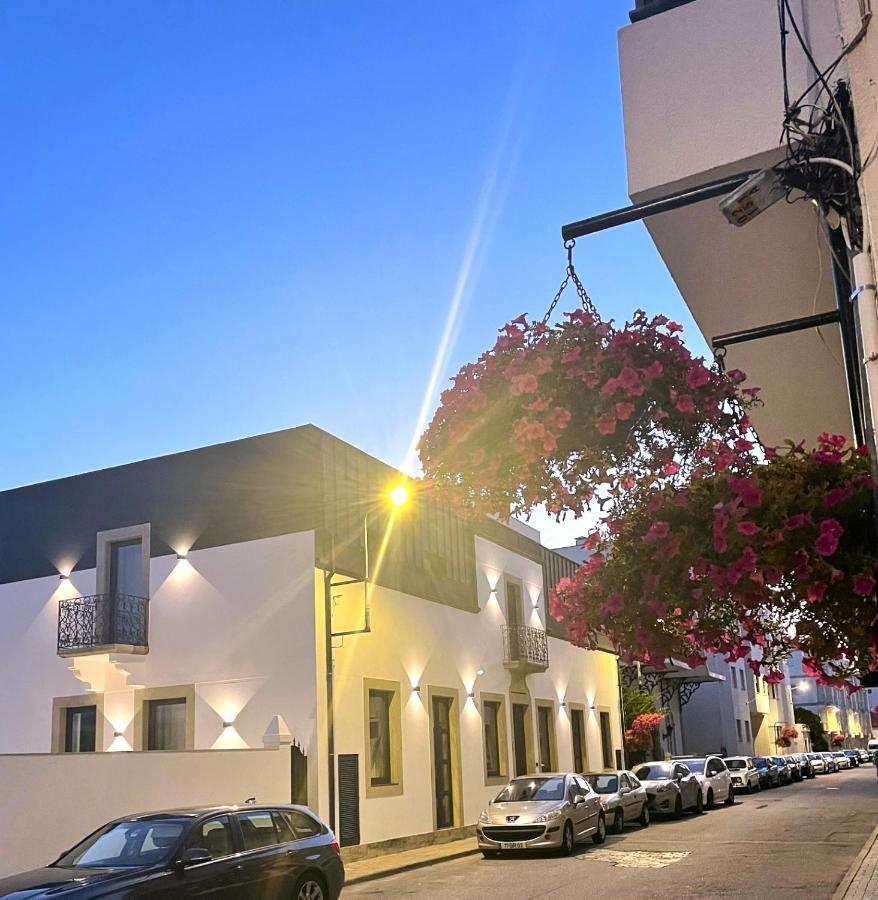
180 604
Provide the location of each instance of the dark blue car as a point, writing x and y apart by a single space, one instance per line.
769 776
249 851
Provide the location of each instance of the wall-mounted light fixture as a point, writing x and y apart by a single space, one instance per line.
471 695
591 706
479 672
64 576
228 725
416 689
563 704
118 734
182 555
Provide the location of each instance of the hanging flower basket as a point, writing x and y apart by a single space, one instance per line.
773 557
553 412
837 740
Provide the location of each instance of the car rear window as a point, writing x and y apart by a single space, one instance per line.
603 784
736 763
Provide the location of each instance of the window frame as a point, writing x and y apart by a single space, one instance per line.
549 707
233 834
60 705
104 556
518 584
144 696
395 787
502 738
574 709
609 748
239 813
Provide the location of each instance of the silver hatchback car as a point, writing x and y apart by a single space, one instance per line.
542 812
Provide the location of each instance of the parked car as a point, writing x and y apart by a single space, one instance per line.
818 763
670 787
542 812
745 775
872 747
784 771
854 757
830 760
248 851
769 776
623 798
795 767
842 760
714 778
865 756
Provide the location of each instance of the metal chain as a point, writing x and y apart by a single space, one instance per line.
581 292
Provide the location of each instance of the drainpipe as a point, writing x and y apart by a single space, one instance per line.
330 718
864 297
621 712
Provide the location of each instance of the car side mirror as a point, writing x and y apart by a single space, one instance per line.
624 790
579 799
192 856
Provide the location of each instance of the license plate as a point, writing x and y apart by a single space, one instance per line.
513 845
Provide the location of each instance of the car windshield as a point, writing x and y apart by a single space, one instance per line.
695 765
603 784
761 762
127 845
736 763
778 761
531 789
653 771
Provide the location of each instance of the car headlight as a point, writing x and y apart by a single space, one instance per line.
550 816
484 818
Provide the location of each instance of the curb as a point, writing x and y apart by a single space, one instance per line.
852 872
407 867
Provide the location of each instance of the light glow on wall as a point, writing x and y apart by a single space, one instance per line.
229 739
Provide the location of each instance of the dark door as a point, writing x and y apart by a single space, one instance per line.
442 764
262 871
519 737
79 729
577 728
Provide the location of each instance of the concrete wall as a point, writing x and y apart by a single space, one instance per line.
234 622
50 802
417 643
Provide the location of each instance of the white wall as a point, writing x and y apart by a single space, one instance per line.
237 622
51 802
413 642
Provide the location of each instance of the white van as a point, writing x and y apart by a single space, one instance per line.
872 747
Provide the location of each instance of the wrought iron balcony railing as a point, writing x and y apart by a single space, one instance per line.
105 622
525 646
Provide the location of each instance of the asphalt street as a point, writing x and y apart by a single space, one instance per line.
795 841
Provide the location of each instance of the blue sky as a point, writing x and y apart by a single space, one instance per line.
221 219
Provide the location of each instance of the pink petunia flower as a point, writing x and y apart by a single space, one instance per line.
864 585
697 376
657 531
606 424
747 528
685 404
828 538
624 410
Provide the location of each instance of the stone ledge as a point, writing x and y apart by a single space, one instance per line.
409 842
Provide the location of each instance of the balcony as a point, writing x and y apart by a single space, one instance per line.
643 9
103 623
525 649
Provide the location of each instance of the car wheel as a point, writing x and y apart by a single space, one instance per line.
644 816
730 800
568 846
309 887
699 804
678 806
601 834
709 803
618 822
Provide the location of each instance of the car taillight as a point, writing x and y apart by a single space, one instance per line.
336 847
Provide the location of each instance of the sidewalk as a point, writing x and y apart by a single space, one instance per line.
379 866
861 881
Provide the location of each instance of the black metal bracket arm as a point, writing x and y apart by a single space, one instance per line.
639 211
763 331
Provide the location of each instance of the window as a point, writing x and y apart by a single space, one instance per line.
741 678
257 829
747 730
80 728
214 835
383 744
166 724
301 824
145 842
491 718
606 740
577 733
546 737
734 677
379 736
126 567
514 609
740 730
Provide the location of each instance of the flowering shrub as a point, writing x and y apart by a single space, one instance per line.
790 733
552 412
749 560
641 734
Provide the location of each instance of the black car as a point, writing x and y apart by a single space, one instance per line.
249 851
769 776
784 771
805 766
